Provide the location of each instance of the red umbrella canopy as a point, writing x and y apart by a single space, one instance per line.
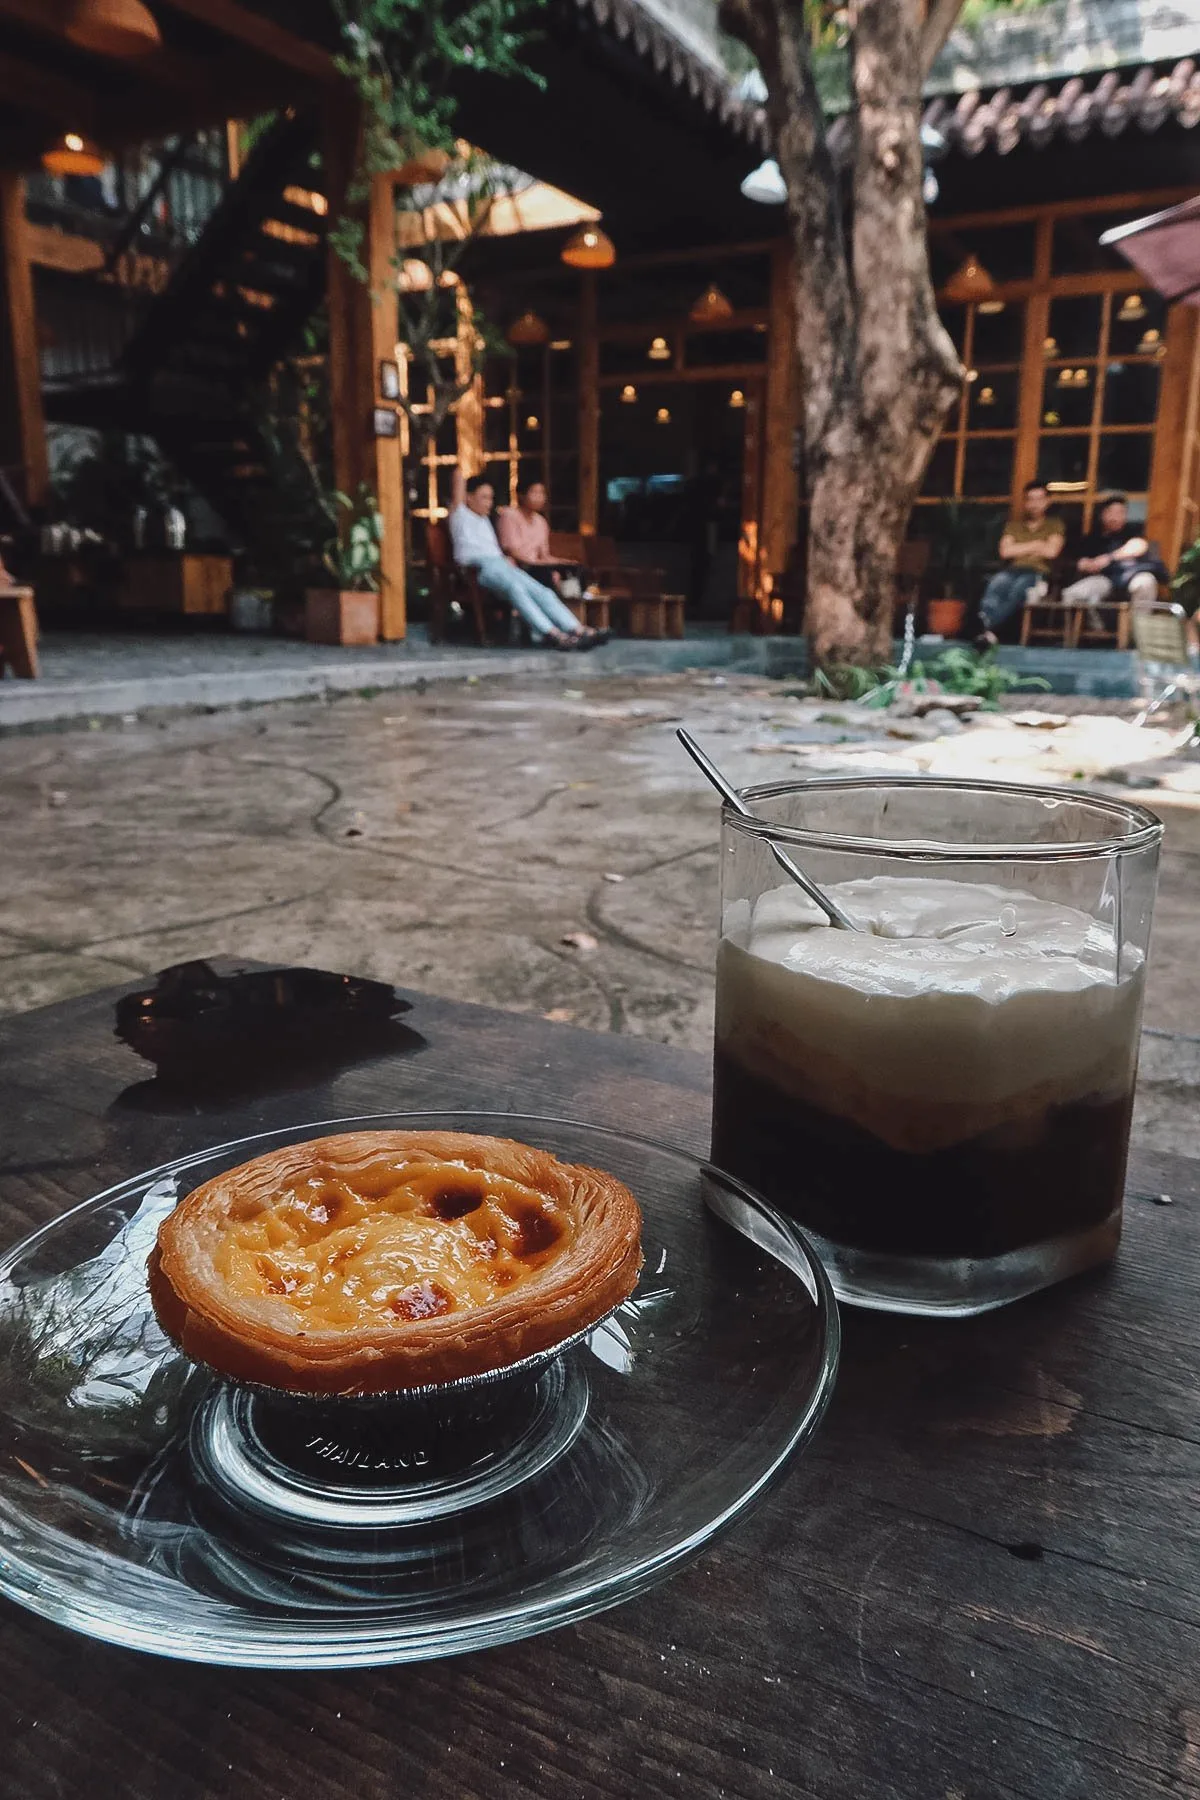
1165 248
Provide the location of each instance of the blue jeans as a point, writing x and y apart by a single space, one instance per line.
1005 595
539 606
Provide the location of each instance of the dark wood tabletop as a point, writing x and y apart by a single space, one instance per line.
981 1581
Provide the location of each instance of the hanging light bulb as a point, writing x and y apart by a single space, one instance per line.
659 350
663 415
1050 346
529 329
111 27
73 154
533 423
1050 418
628 394
1151 343
737 399
1133 309
1066 378
589 248
765 184
987 396
711 308
991 306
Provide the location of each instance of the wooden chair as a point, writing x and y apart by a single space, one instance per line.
1169 662
1044 618
449 583
19 632
1104 635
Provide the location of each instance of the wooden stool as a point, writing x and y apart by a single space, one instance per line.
656 616
18 632
592 611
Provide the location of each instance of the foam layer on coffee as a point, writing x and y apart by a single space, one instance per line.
960 1009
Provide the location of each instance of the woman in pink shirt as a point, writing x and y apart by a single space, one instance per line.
524 530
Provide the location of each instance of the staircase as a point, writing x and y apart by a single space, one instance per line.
236 303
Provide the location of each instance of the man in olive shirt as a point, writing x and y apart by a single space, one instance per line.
1029 545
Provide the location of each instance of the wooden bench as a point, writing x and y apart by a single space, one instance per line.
593 611
18 632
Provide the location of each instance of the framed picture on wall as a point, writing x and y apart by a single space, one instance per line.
387 422
389 380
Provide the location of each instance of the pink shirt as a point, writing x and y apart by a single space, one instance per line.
523 535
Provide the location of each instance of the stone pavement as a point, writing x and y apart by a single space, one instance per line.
526 842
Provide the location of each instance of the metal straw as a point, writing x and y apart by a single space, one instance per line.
732 798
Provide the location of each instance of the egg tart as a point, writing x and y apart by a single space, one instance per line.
376 1261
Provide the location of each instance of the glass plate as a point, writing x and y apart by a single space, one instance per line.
150 1503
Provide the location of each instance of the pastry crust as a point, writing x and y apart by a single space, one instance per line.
376 1261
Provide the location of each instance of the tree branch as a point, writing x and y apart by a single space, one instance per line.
940 19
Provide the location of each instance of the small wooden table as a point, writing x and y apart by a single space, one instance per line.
982 1581
19 632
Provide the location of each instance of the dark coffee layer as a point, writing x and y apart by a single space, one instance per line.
1014 1186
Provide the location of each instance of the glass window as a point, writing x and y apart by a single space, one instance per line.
988 468
992 400
1076 249
998 335
939 476
1068 395
1075 325
1064 459
709 349
1131 393
1137 325
1125 461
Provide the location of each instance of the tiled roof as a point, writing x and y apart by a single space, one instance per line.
679 61
1142 98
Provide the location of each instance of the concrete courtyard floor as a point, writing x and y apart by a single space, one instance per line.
520 841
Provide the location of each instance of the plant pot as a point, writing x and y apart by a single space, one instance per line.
335 616
251 609
946 617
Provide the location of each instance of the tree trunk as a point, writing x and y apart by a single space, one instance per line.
878 370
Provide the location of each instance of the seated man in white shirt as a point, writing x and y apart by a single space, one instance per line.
476 546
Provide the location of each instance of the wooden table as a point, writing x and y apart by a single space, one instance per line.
981 1582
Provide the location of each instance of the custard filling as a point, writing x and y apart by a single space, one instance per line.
388 1243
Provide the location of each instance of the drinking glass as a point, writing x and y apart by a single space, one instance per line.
942 1100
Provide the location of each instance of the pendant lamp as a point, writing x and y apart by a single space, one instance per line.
766 184
711 308
660 350
528 329
111 27
73 154
970 281
589 248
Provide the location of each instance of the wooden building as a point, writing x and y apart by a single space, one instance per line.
659 396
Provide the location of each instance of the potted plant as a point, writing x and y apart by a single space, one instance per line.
348 611
963 538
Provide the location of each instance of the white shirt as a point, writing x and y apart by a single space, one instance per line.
473 537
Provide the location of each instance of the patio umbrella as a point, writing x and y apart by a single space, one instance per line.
1165 248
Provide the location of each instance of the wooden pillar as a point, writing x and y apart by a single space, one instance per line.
780 485
589 406
22 421
385 454
1033 365
1175 428
469 412
363 326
